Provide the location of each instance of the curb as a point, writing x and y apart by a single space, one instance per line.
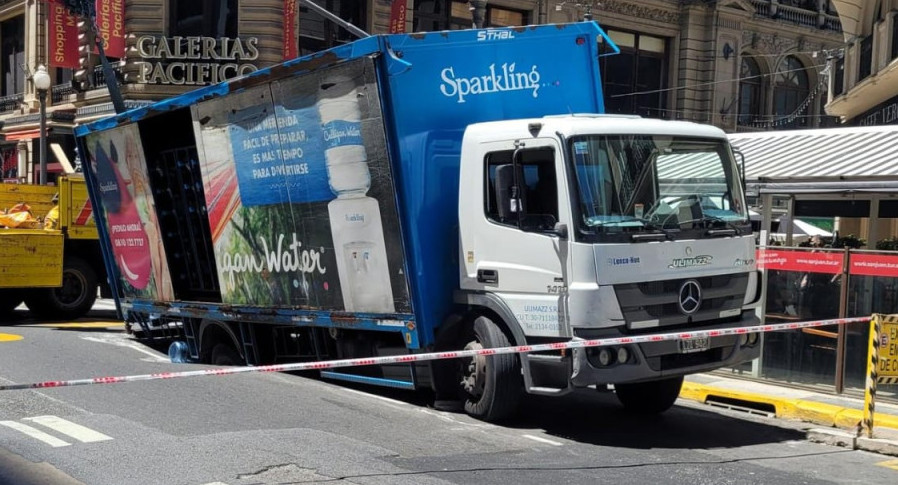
843 439
788 408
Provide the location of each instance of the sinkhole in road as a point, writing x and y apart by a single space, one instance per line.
751 407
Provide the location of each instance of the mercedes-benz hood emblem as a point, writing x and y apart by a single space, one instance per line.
689 299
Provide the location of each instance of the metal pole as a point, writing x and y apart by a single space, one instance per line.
842 335
42 96
337 20
111 81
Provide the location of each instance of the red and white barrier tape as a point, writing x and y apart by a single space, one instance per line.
402 359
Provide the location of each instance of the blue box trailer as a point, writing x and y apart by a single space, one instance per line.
322 208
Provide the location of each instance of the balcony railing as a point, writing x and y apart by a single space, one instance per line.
11 102
60 92
98 79
797 15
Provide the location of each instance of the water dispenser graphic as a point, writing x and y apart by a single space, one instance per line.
355 220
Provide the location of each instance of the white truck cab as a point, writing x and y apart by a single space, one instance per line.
591 226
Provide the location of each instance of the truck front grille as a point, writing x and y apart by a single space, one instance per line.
658 300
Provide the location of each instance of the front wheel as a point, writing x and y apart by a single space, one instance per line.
652 397
491 385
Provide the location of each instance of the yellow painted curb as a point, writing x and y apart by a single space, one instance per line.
800 409
10 337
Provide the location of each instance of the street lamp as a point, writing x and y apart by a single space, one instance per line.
41 81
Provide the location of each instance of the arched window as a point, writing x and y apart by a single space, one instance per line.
790 91
749 90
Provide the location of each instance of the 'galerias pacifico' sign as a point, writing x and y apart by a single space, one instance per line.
194 60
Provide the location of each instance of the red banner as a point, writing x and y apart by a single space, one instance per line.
291 48
801 261
859 264
63 36
874 265
111 23
397 17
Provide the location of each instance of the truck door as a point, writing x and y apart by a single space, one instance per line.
519 253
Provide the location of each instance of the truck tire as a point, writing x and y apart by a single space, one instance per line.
225 354
73 299
652 397
9 299
491 385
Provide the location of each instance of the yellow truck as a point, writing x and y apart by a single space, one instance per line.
54 267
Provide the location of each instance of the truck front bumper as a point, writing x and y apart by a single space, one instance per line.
656 360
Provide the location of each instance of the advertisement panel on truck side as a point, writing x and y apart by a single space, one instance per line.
298 190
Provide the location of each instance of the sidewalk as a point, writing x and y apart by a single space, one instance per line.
841 415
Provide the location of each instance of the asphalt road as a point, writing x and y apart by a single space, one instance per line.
284 428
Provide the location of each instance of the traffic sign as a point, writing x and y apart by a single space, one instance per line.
888 351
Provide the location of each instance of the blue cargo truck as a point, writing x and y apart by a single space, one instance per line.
431 191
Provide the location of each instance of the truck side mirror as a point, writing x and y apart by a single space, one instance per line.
560 230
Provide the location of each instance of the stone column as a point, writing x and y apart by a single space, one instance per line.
478 12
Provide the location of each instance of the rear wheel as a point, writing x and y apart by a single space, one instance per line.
650 397
491 385
73 299
225 354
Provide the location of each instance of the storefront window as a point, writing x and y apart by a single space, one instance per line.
203 18
882 295
9 164
806 284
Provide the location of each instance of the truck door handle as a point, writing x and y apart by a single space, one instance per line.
487 276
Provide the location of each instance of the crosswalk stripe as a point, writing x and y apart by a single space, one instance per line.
80 433
35 433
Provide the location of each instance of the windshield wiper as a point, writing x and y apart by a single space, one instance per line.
730 228
660 233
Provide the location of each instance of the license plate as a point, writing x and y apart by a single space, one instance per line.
697 344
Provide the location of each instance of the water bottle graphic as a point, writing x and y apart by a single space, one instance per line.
355 220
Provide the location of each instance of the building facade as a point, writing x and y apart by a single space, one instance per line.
865 87
742 65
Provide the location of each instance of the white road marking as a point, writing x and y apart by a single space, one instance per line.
80 433
542 440
390 402
121 342
450 418
35 433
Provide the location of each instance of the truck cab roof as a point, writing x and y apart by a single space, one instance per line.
589 123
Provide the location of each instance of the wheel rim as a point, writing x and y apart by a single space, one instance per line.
474 372
72 292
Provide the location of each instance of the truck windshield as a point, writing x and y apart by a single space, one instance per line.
639 183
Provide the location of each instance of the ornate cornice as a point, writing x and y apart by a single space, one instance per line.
639 11
775 44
